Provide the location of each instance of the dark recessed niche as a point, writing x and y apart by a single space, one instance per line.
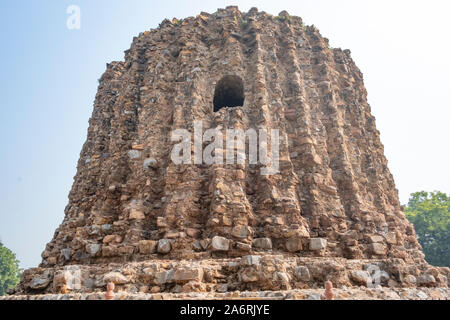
229 92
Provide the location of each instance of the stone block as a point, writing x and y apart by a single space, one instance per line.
163 277
302 273
93 248
116 278
188 274
220 244
262 243
243 246
136 214
147 246
375 239
294 244
391 238
361 277
378 248
316 244
241 232
250 260
164 246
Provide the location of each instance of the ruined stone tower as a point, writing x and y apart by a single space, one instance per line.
137 219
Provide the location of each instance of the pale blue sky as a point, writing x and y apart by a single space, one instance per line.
49 80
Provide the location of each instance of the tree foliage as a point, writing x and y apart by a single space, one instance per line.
9 270
430 214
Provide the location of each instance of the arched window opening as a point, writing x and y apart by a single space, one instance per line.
229 92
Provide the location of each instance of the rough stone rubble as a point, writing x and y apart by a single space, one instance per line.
148 225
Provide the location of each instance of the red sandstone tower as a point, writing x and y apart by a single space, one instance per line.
136 219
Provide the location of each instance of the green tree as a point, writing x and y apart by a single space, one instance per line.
430 214
9 270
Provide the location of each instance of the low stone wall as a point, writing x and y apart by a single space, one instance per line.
305 294
265 272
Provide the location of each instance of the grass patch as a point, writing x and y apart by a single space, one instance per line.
283 18
244 23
